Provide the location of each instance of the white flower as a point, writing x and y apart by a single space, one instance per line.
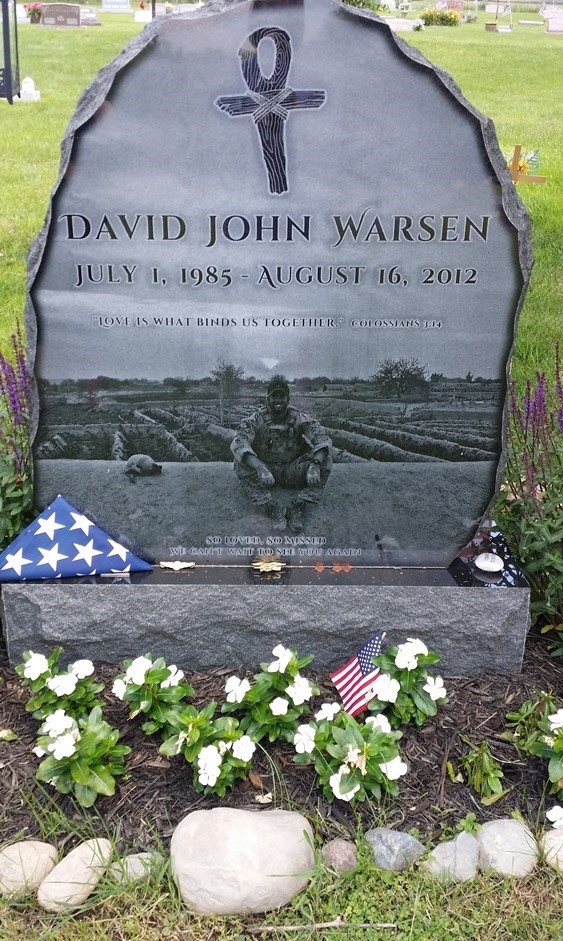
119 688
408 653
208 776
175 676
209 757
223 746
35 666
137 671
209 764
40 752
300 691
379 722
335 781
63 685
284 655
236 689
244 748
181 739
394 769
555 815
328 711
82 668
63 747
556 720
385 688
279 706
57 723
435 688
304 739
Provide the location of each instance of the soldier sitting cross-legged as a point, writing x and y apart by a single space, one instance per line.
279 445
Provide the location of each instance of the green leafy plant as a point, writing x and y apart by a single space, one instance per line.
218 749
353 761
272 706
153 690
482 772
404 689
83 758
52 688
16 495
530 508
537 729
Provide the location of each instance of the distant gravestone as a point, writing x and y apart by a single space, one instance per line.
279 189
60 14
89 17
116 6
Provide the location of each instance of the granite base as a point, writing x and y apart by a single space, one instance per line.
198 626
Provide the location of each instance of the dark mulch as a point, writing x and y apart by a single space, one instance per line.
158 792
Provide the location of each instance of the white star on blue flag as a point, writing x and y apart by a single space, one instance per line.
62 543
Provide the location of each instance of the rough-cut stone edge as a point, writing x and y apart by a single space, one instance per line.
95 94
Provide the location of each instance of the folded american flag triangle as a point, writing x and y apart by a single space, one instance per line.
355 679
62 543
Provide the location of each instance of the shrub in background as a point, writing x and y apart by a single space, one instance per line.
433 17
15 471
530 508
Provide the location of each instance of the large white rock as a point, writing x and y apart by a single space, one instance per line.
552 847
70 883
24 865
507 847
227 861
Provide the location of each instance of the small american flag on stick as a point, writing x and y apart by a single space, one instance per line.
355 679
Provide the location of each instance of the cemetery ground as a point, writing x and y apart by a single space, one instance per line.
514 79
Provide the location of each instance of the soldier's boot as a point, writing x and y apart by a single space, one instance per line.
296 512
276 514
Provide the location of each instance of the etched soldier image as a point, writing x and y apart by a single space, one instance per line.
279 446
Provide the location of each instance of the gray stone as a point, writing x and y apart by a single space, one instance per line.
552 848
135 867
242 624
290 219
340 855
228 862
393 849
70 883
507 847
24 865
60 15
457 860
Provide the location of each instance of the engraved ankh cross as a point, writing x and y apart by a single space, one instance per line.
269 101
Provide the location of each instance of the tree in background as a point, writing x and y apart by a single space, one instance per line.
400 377
228 378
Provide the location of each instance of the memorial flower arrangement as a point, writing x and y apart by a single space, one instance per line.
353 760
528 162
15 473
33 11
404 689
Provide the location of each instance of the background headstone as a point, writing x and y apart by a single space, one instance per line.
60 14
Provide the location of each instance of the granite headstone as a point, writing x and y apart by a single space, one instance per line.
60 15
265 189
303 195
